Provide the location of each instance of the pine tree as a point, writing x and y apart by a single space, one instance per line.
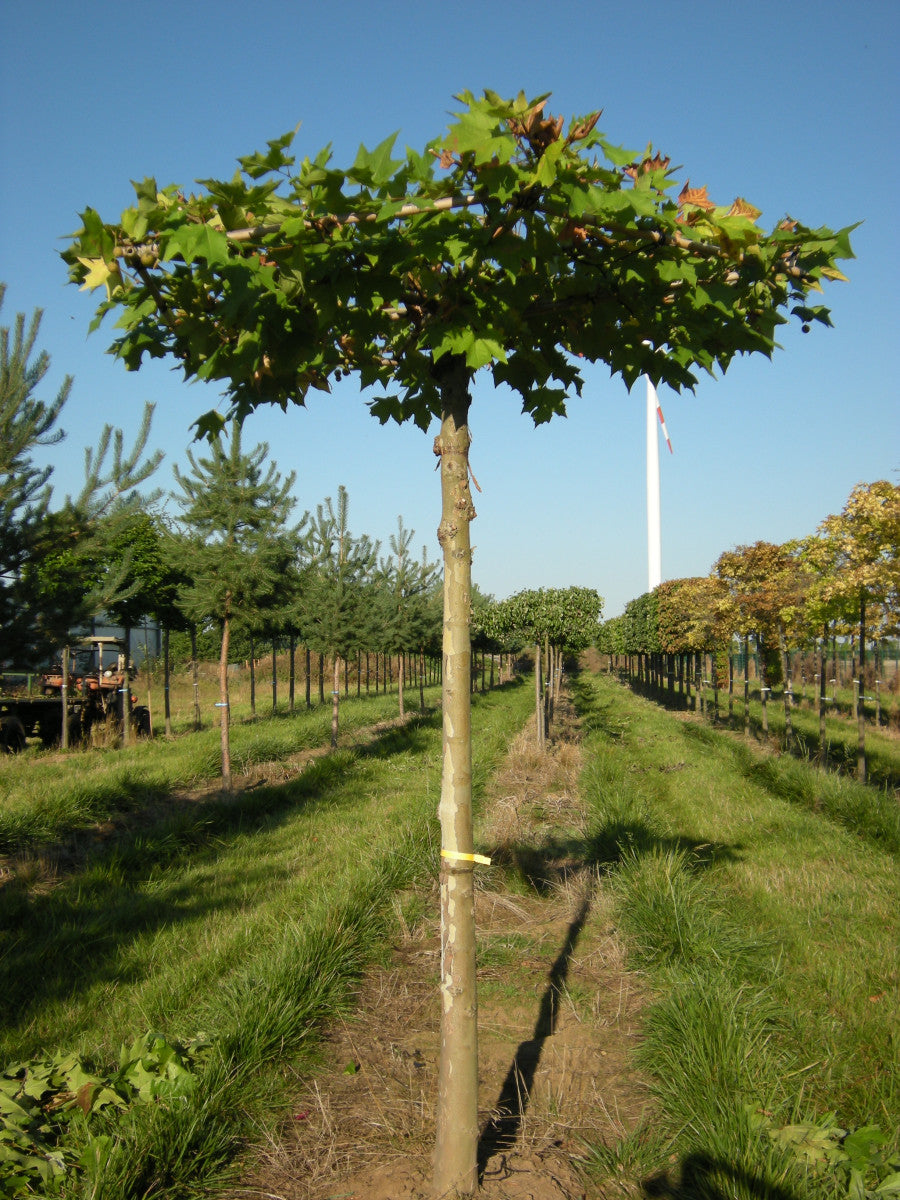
25 424
404 588
238 507
338 620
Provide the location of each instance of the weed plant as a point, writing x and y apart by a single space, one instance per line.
762 903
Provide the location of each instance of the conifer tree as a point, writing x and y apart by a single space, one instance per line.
405 585
238 506
338 619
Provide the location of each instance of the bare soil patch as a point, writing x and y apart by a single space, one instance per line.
559 1016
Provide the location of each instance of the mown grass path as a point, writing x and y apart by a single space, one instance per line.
246 918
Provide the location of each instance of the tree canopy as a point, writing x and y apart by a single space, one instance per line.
512 241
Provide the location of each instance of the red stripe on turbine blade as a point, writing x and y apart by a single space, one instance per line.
662 421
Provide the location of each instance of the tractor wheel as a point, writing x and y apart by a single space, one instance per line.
12 735
140 719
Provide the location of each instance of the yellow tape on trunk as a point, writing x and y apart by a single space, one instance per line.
458 856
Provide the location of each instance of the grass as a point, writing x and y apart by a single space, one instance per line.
761 901
248 920
841 736
47 795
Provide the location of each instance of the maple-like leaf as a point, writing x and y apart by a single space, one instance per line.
659 162
100 273
695 196
741 208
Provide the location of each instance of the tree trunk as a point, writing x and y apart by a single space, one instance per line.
308 665
167 670
746 685
823 662
538 697
292 672
335 698
149 682
64 700
455 1164
195 679
127 730
322 679
861 694
252 678
786 694
223 704
422 680
401 679
274 678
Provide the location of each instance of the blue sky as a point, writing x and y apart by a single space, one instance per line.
796 108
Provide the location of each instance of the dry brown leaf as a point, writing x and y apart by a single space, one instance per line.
695 196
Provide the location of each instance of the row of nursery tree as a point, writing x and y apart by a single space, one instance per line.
841 582
232 565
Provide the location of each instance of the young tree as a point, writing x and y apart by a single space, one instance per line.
405 584
25 424
766 584
238 507
510 243
338 619
857 557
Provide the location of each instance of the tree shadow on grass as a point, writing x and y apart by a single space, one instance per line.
701 1176
544 867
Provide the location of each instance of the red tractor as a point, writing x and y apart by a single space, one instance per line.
90 691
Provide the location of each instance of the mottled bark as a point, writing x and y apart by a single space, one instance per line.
455 1169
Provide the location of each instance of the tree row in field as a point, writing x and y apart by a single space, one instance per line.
843 581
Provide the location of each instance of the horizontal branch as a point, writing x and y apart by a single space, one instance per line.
445 204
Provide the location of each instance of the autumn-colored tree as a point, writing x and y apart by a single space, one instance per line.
516 243
857 559
766 583
694 616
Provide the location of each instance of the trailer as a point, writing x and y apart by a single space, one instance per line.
88 691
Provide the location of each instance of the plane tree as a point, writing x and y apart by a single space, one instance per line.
516 243
855 557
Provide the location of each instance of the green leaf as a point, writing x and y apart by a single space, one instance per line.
257 165
191 242
483 351
889 1186
376 166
